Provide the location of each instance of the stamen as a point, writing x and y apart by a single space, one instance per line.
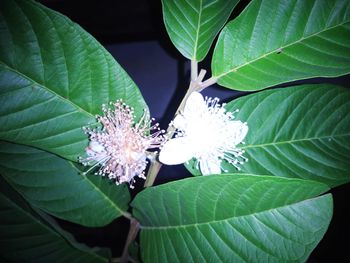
120 145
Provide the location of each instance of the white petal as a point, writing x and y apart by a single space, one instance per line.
194 104
179 122
176 151
210 167
239 130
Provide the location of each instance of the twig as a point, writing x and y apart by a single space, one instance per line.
195 85
134 229
207 83
152 173
155 165
127 215
194 70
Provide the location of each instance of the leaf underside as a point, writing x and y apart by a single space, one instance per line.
59 188
273 42
232 218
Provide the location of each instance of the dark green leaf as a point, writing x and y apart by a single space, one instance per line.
26 237
193 24
232 218
300 132
54 77
58 187
273 42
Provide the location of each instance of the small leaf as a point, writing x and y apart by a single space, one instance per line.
273 42
232 218
54 77
58 187
26 237
298 132
193 24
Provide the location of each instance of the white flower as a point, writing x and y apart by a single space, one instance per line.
206 132
120 146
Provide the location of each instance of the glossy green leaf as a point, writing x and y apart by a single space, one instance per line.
54 77
193 24
58 187
273 42
298 132
232 218
26 237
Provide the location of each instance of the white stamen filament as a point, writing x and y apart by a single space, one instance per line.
120 146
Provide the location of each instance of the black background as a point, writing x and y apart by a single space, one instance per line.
133 31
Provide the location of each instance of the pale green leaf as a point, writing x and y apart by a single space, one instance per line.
299 132
273 42
59 188
193 24
232 218
54 77
26 237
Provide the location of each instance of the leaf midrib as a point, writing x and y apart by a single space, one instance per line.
97 190
48 90
122 212
226 219
80 110
292 141
198 29
275 50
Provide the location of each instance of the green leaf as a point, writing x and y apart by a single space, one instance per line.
193 24
54 77
273 42
26 237
232 218
298 132
58 187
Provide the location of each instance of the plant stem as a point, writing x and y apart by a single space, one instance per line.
152 173
127 215
134 229
194 70
195 85
207 83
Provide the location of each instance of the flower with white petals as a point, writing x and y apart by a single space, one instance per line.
206 132
120 146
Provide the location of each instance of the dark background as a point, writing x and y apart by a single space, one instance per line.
133 31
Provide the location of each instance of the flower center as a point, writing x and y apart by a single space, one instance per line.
120 146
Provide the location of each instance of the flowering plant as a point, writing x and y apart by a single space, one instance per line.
263 164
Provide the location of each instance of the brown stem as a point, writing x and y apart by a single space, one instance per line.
152 173
134 229
195 85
